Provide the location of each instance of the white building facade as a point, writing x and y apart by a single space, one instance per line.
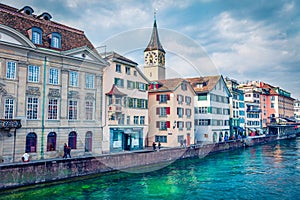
212 110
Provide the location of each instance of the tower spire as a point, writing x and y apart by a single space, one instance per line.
154 43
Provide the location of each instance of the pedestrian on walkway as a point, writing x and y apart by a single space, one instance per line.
65 150
69 151
154 146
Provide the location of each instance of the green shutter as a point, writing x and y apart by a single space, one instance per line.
209 109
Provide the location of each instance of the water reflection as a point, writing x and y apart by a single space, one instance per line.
270 171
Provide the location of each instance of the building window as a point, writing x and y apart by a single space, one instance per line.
72 140
90 81
188 125
37 35
130 84
179 99
53 76
32 107
163 111
128 120
184 86
141 86
89 110
188 100
127 70
119 82
272 105
180 139
51 141
161 139
33 73
118 68
52 109
142 120
31 142
73 79
9 109
180 112
88 141
188 112
136 119
180 125
10 70
134 73
72 109
162 98
202 97
163 125
56 40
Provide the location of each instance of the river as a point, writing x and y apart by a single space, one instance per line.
270 171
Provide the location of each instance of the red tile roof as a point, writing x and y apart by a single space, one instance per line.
114 91
70 37
167 85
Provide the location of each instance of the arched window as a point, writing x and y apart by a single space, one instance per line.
215 136
72 139
36 35
31 142
88 141
51 141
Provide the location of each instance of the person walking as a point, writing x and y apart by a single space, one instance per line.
69 151
154 146
65 150
159 145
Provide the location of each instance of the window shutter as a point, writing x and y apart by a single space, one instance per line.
182 111
168 96
116 80
177 124
150 86
156 86
157 111
209 109
182 98
137 85
157 124
168 110
157 97
182 124
168 124
147 86
177 111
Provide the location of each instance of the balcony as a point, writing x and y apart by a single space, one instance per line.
255 110
8 124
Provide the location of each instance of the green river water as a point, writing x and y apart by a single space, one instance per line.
270 171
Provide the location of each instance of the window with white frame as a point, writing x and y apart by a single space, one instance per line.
52 109
73 79
32 107
180 125
53 76
33 73
188 100
90 81
56 40
72 109
179 99
10 70
36 35
9 109
89 110
130 84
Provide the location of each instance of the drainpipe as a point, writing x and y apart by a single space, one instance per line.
43 110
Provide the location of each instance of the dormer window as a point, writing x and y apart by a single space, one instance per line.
55 40
45 16
27 10
36 35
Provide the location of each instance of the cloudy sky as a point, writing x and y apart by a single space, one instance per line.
244 40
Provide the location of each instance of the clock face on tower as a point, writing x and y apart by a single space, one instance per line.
151 58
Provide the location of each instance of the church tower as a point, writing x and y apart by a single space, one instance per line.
154 57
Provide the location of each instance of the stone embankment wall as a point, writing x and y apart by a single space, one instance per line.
43 171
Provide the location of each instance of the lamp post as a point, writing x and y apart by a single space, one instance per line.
43 109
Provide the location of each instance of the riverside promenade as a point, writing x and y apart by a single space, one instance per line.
15 175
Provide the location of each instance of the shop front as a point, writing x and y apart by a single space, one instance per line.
126 139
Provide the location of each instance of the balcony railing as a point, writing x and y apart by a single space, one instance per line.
10 123
115 108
